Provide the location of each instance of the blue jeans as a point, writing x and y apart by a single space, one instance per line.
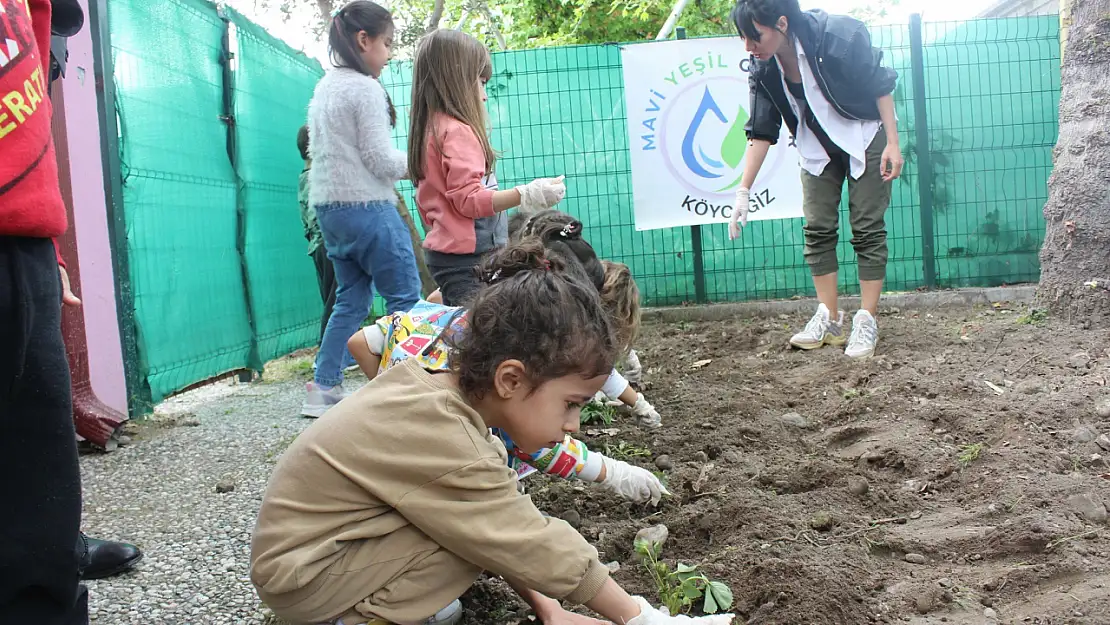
369 245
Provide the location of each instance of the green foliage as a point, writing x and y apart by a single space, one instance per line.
532 23
678 589
597 413
536 23
970 453
1035 317
625 451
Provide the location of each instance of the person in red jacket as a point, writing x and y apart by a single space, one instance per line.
43 554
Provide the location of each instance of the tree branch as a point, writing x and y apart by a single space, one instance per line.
437 14
484 4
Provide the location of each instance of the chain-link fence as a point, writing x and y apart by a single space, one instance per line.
214 271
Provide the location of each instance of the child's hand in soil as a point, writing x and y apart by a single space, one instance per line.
651 616
632 482
562 617
645 414
551 612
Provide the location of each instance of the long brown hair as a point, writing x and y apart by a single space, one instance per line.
621 298
445 78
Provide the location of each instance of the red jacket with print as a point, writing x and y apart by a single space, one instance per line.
30 200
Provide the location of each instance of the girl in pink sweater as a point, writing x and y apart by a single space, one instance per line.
452 164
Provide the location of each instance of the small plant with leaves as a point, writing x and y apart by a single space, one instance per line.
625 451
597 413
970 453
1034 317
678 589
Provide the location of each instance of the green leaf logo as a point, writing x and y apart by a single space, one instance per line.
736 140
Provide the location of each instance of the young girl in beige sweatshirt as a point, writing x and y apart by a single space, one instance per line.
361 524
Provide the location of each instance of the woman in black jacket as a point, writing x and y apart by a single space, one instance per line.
820 74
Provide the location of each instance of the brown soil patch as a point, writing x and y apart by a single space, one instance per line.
973 477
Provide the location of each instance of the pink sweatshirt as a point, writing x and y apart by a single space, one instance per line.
455 198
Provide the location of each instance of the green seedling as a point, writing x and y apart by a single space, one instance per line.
970 453
1035 316
625 451
680 588
597 413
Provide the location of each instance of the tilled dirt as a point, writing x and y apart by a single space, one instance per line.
974 441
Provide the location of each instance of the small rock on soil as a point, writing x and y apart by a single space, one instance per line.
794 419
664 463
916 558
858 486
1032 386
226 485
1089 507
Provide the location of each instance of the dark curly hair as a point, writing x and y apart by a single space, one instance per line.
302 142
562 233
534 310
747 13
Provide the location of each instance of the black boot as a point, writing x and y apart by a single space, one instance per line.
105 558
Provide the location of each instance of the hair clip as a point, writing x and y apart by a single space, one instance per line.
567 230
546 265
496 275
336 12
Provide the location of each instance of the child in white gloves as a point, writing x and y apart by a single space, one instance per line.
388 508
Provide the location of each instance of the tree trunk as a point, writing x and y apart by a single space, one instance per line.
437 14
428 284
1075 257
327 7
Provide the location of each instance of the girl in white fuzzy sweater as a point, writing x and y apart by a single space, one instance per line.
355 168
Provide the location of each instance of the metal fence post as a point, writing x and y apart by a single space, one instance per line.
923 153
695 231
254 359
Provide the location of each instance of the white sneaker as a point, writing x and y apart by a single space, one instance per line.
820 330
450 615
865 333
319 399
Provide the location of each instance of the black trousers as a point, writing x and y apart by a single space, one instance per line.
40 482
325 277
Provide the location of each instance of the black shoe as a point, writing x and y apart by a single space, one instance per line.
105 558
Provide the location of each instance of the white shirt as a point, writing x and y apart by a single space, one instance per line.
351 143
851 135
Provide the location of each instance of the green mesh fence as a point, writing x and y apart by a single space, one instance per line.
992 92
218 263
273 85
179 192
218 268
991 117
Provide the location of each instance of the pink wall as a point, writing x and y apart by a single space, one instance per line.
91 222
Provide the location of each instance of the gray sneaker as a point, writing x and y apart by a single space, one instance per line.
450 615
820 330
865 334
318 400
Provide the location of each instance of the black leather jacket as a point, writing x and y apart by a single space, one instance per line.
848 69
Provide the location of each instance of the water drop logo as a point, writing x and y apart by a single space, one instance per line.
708 155
730 150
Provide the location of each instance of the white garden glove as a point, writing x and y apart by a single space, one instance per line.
651 616
632 482
633 372
645 413
541 193
739 212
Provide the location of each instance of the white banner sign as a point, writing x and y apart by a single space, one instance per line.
687 104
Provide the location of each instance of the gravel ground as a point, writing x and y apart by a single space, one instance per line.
160 492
